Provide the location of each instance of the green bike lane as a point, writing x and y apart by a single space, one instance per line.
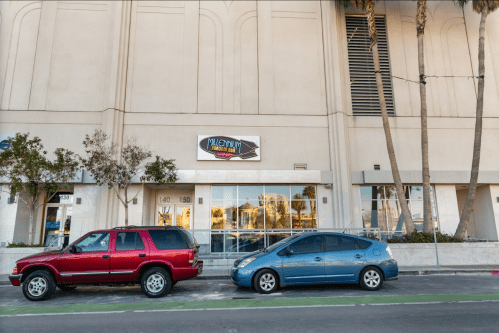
248 304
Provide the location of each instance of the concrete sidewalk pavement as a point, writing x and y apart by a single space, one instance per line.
403 270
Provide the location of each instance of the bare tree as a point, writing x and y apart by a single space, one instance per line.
118 175
484 7
28 171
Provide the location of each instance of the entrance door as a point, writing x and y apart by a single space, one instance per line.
57 225
178 215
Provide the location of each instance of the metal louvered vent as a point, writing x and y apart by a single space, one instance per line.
365 98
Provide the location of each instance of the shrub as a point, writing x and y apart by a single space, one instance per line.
24 245
420 237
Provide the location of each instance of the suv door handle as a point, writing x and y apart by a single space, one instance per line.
358 256
142 255
105 256
318 259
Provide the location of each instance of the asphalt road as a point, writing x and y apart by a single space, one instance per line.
407 318
212 290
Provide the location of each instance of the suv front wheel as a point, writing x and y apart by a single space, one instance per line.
156 282
39 286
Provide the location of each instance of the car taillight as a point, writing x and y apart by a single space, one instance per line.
191 256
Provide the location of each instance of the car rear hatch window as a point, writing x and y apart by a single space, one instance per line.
168 239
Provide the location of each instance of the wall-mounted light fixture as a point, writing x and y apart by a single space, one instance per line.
300 166
135 201
200 200
78 201
497 199
329 186
377 167
324 199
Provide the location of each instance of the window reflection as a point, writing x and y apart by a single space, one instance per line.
277 215
224 215
381 207
277 193
251 215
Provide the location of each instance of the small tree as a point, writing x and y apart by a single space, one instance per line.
105 167
27 168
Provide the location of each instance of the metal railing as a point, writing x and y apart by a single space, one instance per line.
225 242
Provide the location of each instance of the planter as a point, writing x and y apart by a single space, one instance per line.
450 254
9 256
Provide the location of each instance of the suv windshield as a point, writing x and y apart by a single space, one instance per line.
282 242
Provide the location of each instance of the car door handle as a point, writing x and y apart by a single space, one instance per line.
318 259
142 255
105 256
358 256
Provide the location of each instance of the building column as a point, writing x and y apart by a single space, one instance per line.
337 117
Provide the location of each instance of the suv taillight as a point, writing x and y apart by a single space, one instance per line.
191 256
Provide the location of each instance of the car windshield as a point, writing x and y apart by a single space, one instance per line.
282 242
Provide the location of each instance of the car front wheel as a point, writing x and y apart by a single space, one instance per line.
266 281
371 278
39 286
156 282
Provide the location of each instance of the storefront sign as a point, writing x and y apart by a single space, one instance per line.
235 148
4 141
174 197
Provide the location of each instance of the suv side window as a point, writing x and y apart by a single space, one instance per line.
167 239
129 240
311 244
95 242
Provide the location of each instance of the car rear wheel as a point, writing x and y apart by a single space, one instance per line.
266 281
156 282
39 286
371 278
66 287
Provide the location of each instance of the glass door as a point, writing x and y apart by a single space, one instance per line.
57 225
177 215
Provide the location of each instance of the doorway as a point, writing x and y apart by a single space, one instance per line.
58 213
175 215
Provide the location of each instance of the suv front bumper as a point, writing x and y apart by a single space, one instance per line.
15 279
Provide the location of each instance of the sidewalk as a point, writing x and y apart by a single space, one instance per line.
403 270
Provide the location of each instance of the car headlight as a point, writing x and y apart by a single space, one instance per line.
14 271
389 252
245 262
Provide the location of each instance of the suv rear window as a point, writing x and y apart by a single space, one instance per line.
191 241
168 239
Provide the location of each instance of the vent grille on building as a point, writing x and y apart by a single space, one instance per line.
365 98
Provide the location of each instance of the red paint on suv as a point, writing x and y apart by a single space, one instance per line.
154 257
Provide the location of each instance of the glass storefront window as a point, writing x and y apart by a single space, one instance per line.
243 207
381 207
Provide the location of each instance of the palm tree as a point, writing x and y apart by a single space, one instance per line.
420 26
368 6
484 7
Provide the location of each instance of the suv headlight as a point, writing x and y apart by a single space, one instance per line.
14 271
245 262
389 252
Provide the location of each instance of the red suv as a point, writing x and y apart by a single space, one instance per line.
155 257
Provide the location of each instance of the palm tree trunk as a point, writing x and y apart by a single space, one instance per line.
470 198
409 224
421 20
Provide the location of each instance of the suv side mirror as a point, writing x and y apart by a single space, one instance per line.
71 249
78 249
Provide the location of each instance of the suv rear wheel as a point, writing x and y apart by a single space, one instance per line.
156 282
39 286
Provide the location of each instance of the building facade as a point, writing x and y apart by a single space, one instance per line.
267 107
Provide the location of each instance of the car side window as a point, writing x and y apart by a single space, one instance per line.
340 243
311 244
129 240
167 239
95 242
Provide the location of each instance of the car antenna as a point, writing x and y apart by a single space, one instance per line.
351 221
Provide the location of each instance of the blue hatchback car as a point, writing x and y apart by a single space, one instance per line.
316 258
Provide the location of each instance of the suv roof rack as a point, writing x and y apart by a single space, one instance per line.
148 227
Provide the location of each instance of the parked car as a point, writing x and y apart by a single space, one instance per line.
154 257
317 258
